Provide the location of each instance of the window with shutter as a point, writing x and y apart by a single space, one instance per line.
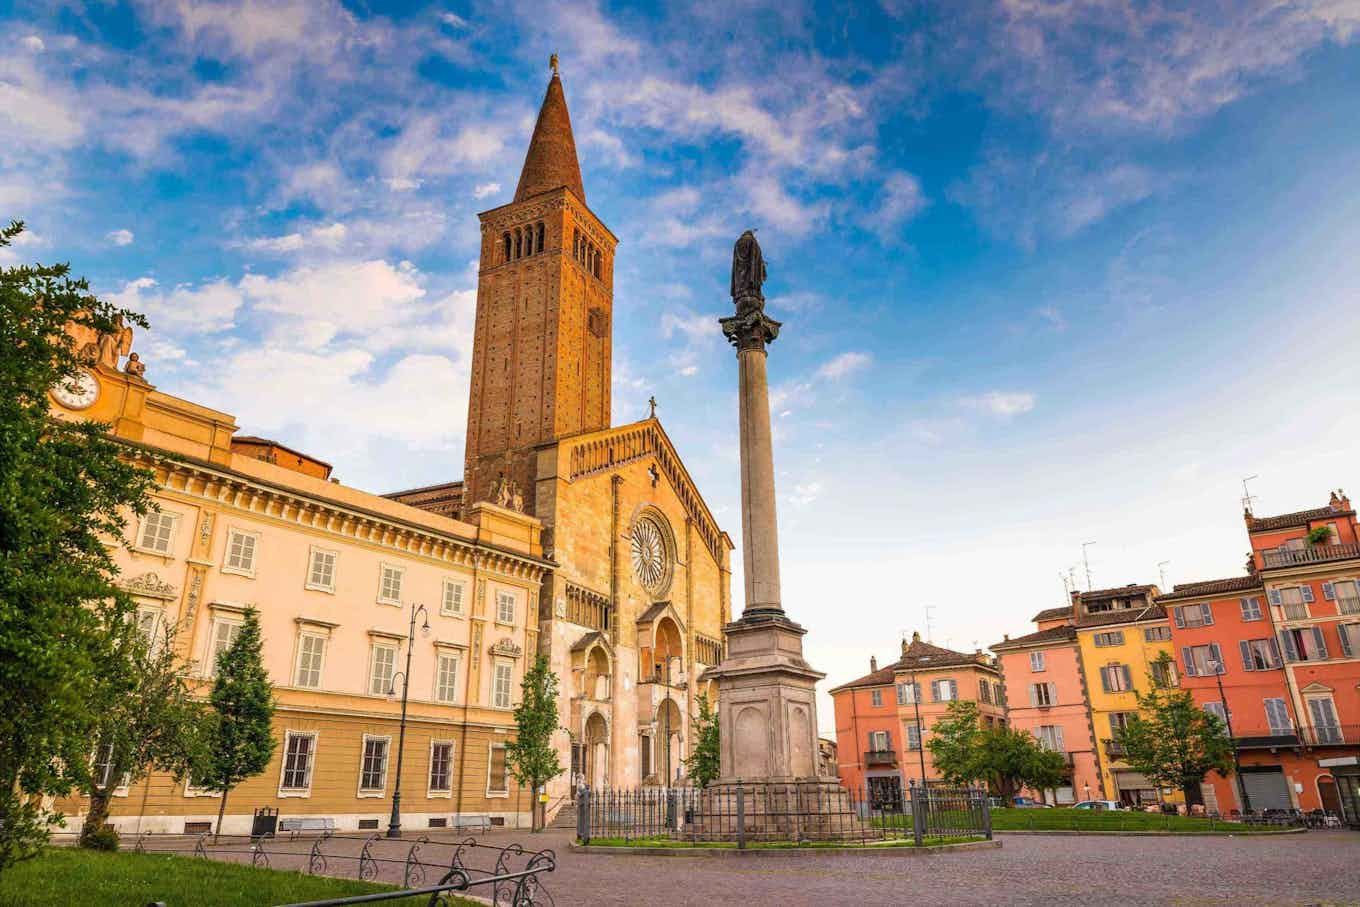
1206 615
1350 639
1290 646
240 556
913 736
452 602
1277 716
321 570
1251 609
1328 591
1216 709
1128 677
1036 661
1307 593
1319 642
1347 597
1275 597
1189 659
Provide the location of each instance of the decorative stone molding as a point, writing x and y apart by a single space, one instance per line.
506 647
211 485
150 585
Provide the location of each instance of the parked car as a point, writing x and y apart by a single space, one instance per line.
1029 803
1098 804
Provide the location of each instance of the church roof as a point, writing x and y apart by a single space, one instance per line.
551 161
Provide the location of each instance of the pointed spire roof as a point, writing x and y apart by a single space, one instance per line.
551 162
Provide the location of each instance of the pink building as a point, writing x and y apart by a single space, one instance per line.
1046 695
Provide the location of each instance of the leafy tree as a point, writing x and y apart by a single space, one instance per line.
1174 742
238 733
147 720
530 756
65 493
705 759
1003 758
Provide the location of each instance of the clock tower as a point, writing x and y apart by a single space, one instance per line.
545 301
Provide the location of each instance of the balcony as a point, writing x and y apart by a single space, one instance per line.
880 757
1314 554
1114 749
1277 739
1280 738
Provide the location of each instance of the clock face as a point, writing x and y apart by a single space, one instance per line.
78 393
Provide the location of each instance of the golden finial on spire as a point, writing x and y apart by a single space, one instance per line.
552 63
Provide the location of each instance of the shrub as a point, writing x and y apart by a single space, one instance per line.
105 838
1319 535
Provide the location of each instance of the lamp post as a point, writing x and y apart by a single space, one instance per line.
920 732
1217 667
394 824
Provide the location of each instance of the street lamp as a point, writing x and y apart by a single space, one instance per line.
394 824
1217 668
920 732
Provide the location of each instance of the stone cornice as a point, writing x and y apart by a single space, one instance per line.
221 486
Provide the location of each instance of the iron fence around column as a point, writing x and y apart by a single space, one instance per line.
797 813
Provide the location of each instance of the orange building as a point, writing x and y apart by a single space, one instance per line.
1276 653
1046 695
882 717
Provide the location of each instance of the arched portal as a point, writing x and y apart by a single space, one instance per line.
595 682
668 652
597 751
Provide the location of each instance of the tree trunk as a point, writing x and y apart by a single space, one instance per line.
97 816
221 808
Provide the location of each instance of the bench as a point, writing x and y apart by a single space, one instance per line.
303 824
480 822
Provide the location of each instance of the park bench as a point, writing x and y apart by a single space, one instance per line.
304 824
480 822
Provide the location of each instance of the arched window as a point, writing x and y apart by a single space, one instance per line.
576 244
597 263
506 241
519 243
540 236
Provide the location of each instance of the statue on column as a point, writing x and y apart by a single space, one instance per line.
750 328
748 269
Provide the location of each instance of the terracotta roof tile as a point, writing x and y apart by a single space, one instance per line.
1122 616
1297 518
1053 614
1212 587
918 656
1052 634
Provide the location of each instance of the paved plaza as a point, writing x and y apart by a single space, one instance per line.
1313 868
1305 869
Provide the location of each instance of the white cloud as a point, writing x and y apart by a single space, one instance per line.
900 200
119 237
33 43
844 365
1002 404
804 493
453 20
209 308
329 236
426 148
1153 65
482 190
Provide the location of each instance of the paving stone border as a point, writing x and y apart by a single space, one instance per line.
1151 834
857 850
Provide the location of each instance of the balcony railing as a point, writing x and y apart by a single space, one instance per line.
1277 739
1326 735
1314 554
880 757
1114 748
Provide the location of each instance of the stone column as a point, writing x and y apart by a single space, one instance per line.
759 525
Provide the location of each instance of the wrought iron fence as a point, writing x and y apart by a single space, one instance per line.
509 875
800 813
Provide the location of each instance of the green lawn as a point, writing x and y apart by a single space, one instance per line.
1111 820
64 876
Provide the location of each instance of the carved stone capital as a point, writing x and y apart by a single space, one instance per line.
750 328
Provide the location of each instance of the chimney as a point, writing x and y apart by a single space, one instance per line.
873 664
1345 501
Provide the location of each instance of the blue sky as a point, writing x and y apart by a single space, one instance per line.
1051 272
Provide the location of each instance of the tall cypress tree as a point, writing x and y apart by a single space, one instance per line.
238 737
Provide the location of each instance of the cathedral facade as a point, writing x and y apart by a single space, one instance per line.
632 610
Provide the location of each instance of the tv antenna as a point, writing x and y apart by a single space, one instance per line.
1086 562
1161 571
1247 496
1067 586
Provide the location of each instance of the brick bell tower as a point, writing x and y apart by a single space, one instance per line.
545 305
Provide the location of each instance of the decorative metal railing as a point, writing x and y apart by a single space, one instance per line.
795 813
507 875
1314 554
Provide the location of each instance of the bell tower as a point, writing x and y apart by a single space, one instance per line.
545 305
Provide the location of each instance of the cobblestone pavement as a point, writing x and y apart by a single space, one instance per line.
1315 868
1312 868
